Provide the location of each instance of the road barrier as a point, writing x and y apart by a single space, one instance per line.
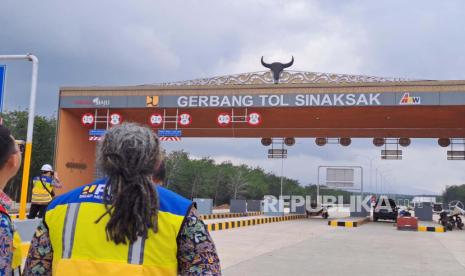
230 215
422 228
215 226
348 223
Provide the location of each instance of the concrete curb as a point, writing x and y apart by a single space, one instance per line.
439 229
250 222
348 224
230 215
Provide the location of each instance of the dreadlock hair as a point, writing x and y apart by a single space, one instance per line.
7 145
127 155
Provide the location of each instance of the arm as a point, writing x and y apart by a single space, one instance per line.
40 256
6 245
56 181
196 250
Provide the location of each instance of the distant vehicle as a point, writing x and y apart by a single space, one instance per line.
317 211
385 208
452 218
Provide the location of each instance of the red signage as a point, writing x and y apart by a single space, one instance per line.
87 120
254 119
224 119
185 119
156 119
115 119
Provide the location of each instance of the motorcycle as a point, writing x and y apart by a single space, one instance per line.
452 218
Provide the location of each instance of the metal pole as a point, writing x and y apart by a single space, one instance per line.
371 173
281 203
282 173
361 169
380 183
30 127
318 187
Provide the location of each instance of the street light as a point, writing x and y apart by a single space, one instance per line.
371 166
30 127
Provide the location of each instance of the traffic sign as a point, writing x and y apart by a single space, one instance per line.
87 119
277 151
156 119
115 119
391 152
97 132
185 119
2 84
455 155
169 133
254 119
224 119
171 139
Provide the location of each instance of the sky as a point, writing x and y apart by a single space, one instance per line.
82 43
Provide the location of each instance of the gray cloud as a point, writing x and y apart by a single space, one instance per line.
125 42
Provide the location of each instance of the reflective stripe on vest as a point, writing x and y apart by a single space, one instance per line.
80 246
136 249
69 229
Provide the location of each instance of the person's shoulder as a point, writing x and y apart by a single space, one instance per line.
173 202
87 193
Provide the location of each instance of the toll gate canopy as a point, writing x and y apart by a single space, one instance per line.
302 104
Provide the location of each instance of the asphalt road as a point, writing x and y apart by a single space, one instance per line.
310 247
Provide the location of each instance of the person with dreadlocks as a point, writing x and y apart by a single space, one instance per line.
123 224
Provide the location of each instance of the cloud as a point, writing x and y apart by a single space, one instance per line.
125 42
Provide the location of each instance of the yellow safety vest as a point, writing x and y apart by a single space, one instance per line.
80 246
39 193
17 253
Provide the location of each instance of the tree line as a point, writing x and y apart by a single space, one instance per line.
192 178
454 192
204 178
43 145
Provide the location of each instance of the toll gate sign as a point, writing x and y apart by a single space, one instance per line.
2 85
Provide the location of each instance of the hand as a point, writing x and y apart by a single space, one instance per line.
55 175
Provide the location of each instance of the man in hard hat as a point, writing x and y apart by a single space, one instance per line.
42 191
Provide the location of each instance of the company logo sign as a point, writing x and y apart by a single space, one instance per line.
407 99
151 101
100 102
95 102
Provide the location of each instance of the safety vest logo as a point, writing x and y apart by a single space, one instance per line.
93 191
407 99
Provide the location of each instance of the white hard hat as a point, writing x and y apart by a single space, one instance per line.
46 168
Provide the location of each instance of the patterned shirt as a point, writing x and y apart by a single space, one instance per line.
6 244
196 250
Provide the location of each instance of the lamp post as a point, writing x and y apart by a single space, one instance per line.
371 166
30 127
